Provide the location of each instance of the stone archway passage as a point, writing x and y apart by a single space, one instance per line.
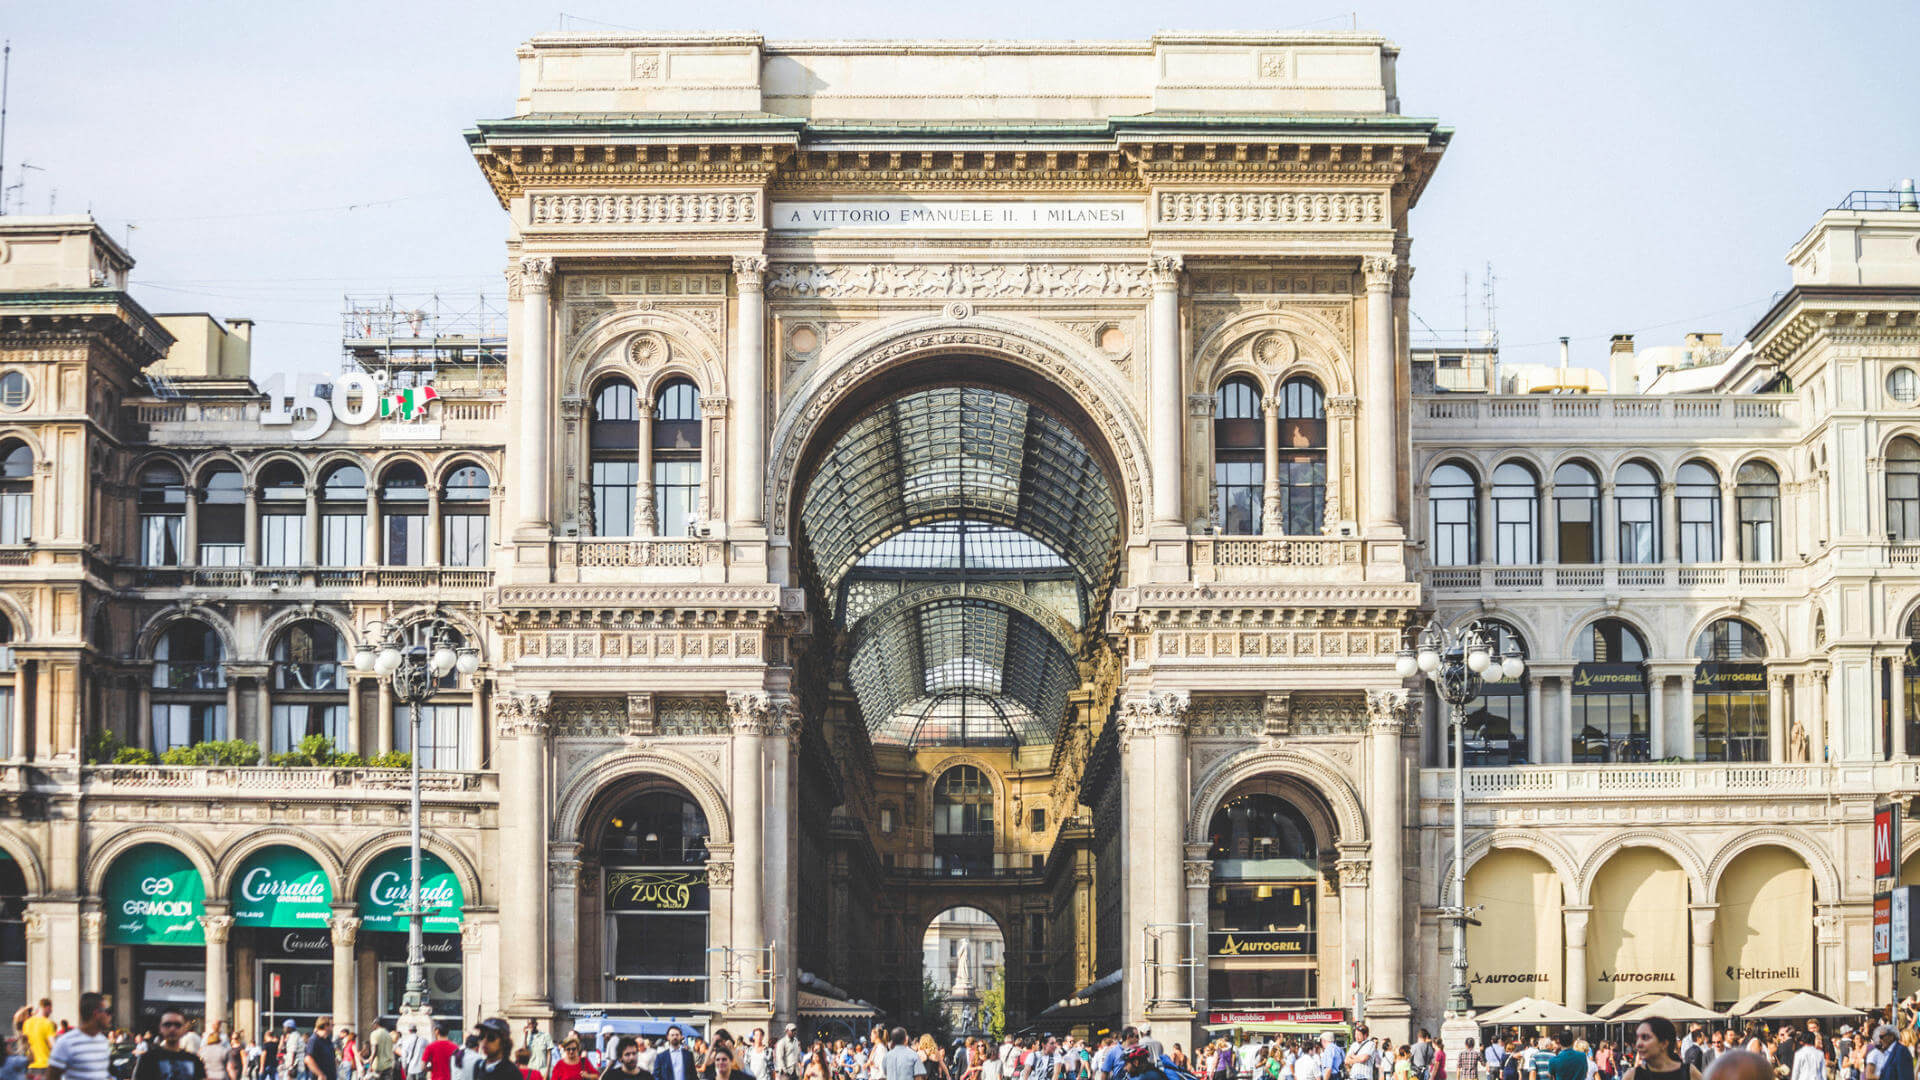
1639 934
1515 950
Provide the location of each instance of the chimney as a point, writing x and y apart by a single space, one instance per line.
1620 365
240 327
1907 200
1563 354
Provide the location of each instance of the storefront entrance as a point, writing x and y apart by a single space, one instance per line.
154 898
1263 911
381 901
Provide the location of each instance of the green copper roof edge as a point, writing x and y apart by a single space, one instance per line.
624 123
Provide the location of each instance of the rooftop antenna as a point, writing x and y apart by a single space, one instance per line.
1492 332
6 69
19 188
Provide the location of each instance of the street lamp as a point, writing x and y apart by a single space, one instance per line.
398 655
1458 663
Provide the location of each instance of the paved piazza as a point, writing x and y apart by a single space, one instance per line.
951 512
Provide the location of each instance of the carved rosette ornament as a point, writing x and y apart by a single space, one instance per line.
524 714
216 928
750 271
1163 712
536 274
345 929
1378 270
1165 270
720 874
1393 709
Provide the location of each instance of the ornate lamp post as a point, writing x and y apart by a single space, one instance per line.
1458 663
395 654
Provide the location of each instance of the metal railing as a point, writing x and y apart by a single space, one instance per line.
1864 199
1605 577
314 577
1625 409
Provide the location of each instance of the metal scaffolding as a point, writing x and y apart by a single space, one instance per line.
457 343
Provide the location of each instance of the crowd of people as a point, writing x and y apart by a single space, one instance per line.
177 1048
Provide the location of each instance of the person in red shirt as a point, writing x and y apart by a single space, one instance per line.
572 1066
439 1055
523 1057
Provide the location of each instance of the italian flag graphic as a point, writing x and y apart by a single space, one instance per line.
408 404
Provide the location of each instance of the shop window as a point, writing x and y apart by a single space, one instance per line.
1611 696
653 858
1730 694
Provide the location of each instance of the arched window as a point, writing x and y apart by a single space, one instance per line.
7 715
16 493
1264 901
1903 490
283 515
1453 502
1730 703
1636 509
1516 515
963 822
222 527
1239 460
403 514
1611 694
653 855
163 514
1303 457
343 517
613 442
309 685
1757 494
676 459
447 736
1909 681
1497 721
1698 488
463 517
189 686
1576 509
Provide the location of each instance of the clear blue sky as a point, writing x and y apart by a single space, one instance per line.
1637 167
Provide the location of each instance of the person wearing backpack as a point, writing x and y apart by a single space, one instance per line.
1363 1061
1510 1063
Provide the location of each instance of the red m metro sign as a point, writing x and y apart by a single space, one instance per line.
1886 841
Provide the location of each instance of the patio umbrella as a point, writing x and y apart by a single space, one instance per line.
1802 1005
1633 1008
1531 1010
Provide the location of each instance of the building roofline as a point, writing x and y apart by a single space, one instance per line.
1800 293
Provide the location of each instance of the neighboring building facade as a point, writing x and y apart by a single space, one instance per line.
888 507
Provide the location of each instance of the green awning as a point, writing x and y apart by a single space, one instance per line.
281 886
154 896
382 895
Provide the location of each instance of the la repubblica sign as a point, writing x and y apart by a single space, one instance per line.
297 402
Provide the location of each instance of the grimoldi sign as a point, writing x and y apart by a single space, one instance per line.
1734 678
1259 943
959 215
1609 678
154 896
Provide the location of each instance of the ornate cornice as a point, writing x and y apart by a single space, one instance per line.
638 607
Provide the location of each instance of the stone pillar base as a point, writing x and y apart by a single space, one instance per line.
1171 1026
1454 1033
1391 1018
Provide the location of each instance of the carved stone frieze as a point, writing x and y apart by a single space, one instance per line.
971 280
590 717
1240 209
719 874
1199 873
691 715
755 712
1228 644
1225 717
1158 713
648 210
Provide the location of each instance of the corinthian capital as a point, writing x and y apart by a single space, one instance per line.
345 928
751 270
1165 269
216 928
1161 712
1379 270
523 714
536 273
751 711
1393 708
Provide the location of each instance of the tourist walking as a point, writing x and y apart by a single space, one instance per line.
1656 1047
170 1060
81 1053
496 1052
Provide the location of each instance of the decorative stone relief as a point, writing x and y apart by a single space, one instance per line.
590 717
1161 712
1199 873
655 209
720 874
1394 708
683 716
940 280
1236 209
522 714
215 927
345 929
1225 717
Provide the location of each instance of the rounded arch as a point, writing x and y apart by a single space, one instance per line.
27 438
1770 633
455 857
145 461
1048 619
1472 466
853 366
102 858
16 613
1826 875
1583 458
1525 458
1350 821
995 782
1666 843
387 462
158 623
1534 841
1636 457
293 836
470 628
1896 432
283 620
580 793
257 467
332 460
606 348
1751 456
1263 384
1316 349
21 851
444 469
1530 638
208 463
1582 621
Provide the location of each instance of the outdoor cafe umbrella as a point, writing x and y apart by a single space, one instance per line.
1792 1005
1532 1010
1633 1008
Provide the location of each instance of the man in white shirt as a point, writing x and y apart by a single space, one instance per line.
1363 1061
1306 1065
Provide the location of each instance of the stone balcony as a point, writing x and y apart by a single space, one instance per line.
459 420
1616 413
267 582
1546 785
1764 579
224 782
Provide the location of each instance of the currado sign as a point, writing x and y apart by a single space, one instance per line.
382 896
1259 943
281 886
154 896
657 890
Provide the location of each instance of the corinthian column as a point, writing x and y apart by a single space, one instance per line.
1383 502
216 928
346 986
1163 391
1388 712
747 376
536 381
752 718
523 720
1271 522
1154 736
